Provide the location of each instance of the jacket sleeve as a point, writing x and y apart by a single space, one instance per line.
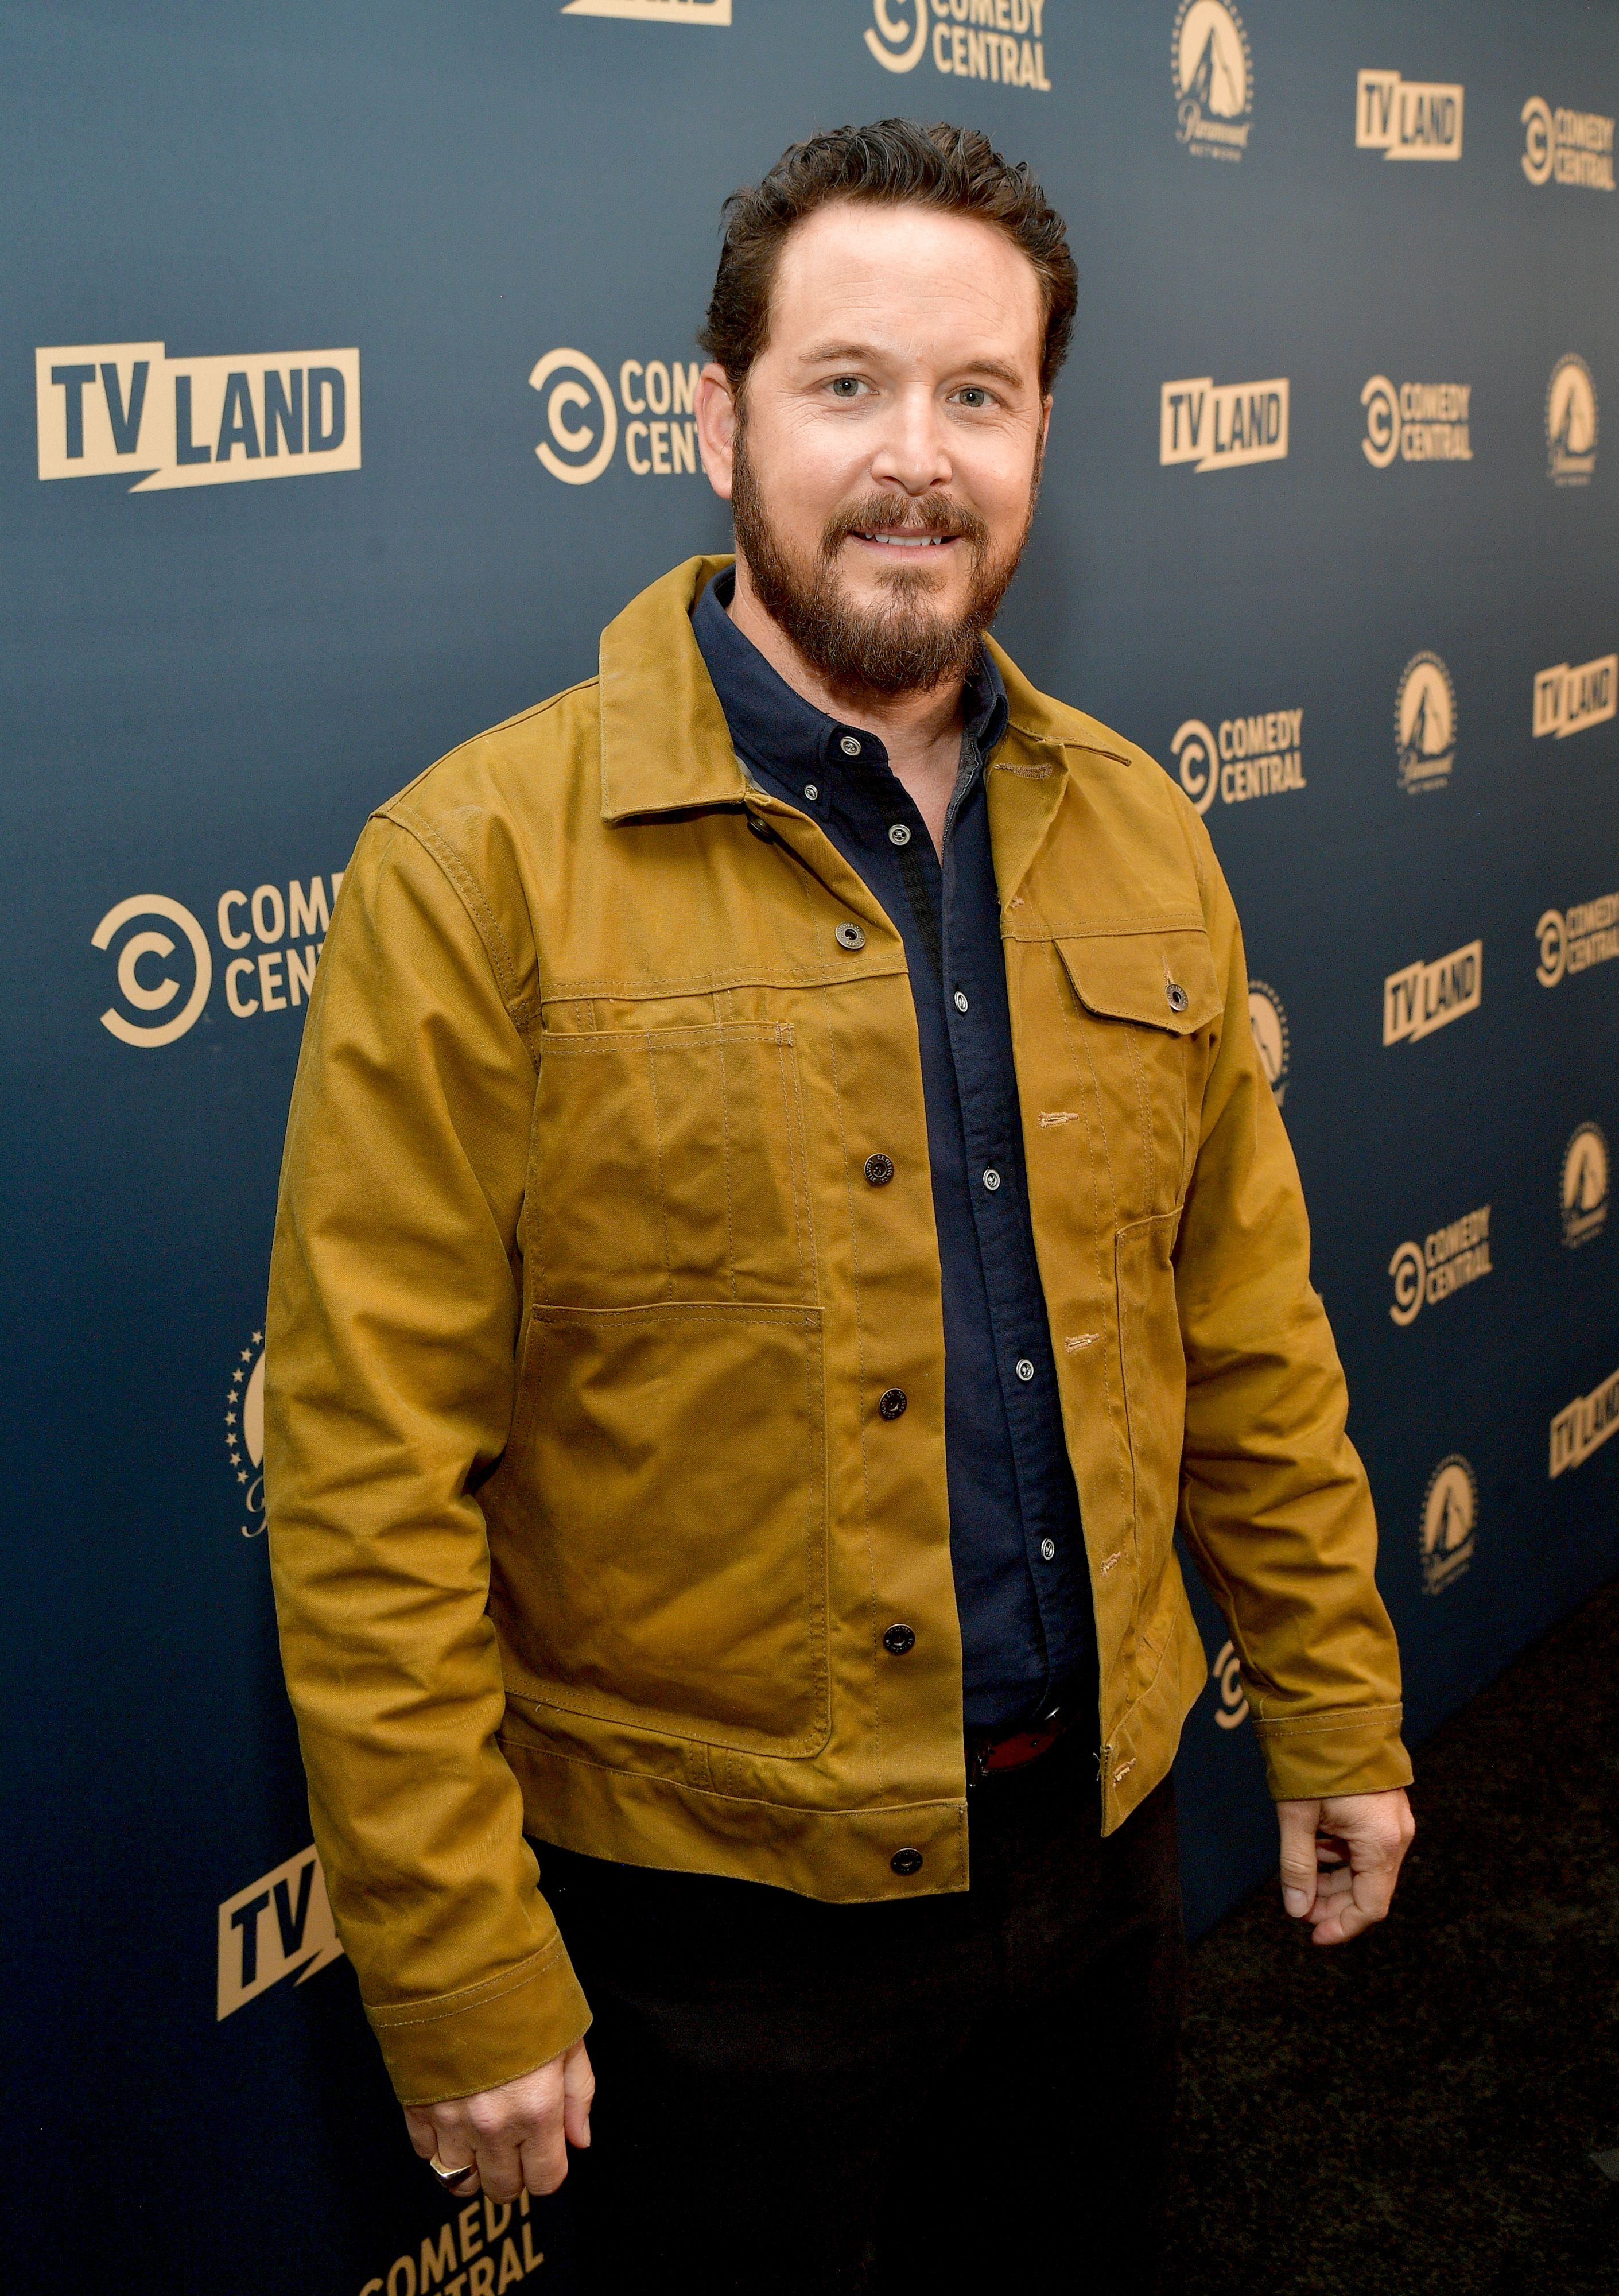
1274 1502
389 1381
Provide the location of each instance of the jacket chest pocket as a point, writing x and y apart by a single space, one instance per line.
668 1164
1149 1002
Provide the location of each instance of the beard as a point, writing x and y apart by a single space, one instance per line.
903 645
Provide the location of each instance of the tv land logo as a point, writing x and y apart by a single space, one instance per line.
1568 699
1418 422
1249 756
244 1433
655 393
1223 428
1575 147
997 40
467 2240
278 978
1232 1710
108 408
1407 119
1584 1188
1425 725
1571 940
279 1926
1450 1523
654 12
1583 1427
1422 997
1212 68
1571 422
1269 1022
1440 1266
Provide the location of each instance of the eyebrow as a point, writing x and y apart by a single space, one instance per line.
836 354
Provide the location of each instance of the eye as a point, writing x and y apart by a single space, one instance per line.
845 386
974 395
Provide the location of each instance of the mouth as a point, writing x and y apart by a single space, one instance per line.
893 538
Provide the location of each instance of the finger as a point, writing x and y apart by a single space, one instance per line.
422 2132
1298 1821
578 2089
455 2166
500 2168
544 2162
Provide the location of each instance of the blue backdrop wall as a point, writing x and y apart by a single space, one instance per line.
1329 524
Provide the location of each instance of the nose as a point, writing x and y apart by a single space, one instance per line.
913 454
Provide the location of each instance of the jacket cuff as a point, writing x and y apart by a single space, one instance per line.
462 2042
1358 1749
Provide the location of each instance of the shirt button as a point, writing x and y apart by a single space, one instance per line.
992 1178
891 1402
899 1640
811 791
879 1170
899 834
849 746
1048 1550
906 1861
849 937
960 1002
1025 1369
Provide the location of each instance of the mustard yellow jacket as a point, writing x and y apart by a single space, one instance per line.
582 1516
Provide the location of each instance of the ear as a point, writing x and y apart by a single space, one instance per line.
716 421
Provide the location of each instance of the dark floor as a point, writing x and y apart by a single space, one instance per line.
1419 2111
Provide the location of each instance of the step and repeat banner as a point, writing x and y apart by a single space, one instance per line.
1329 524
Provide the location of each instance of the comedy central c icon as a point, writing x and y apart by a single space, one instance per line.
888 49
1198 755
568 393
1411 1276
154 996
1381 401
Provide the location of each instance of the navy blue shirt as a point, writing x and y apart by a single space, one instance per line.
1022 1587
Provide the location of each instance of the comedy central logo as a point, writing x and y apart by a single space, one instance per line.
1576 147
1269 1022
1445 1262
1584 1185
1450 1523
1571 422
122 409
656 394
157 1003
244 1433
1418 422
1407 119
1212 68
998 40
1249 756
1573 940
1425 724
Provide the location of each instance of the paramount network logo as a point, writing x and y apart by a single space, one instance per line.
1222 427
103 408
1571 422
655 393
1269 1022
276 978
244 1433
1248 756
1575 147
1584 1185
1450 1523
1212 70
1407 119
1420 421
1425 724
999 40
278 1925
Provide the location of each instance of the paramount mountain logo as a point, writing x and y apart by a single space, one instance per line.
1566 700
1440 1264
1450 1523
1571 940
1407 119
1425 724
1575 147
1249 756
1222 427
1584 1185
1584 1426
244 1433
103 409
1418 422
1422 997
1269 1022
996 40
1212 70
1571 422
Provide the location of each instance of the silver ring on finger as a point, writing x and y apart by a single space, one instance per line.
453 2178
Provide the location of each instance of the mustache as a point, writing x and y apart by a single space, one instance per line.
912 514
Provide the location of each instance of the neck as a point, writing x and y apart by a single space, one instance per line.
920 731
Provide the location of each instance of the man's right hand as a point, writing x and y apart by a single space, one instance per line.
512 2137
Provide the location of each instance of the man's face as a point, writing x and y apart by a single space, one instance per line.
882 468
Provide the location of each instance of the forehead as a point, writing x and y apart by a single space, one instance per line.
913 277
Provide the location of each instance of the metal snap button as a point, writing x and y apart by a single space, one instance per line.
992 1179
891 1403
879 1170
899 834
1048 1550
906 1861
849 746
811 791
758 827
849 937
899 1640
1177 996
1025 1369
959 1001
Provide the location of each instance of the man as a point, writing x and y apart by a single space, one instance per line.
781 1214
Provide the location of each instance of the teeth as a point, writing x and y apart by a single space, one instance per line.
909 541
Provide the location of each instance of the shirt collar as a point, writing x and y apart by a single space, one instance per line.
773 726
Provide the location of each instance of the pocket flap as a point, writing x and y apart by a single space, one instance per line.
1161 980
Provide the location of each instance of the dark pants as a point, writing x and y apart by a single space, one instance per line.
796 2096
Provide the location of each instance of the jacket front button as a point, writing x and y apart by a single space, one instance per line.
899 1640
891 1402
906 1861
879 1170
849 937
1177 996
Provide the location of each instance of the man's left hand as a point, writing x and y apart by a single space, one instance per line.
1340 1860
